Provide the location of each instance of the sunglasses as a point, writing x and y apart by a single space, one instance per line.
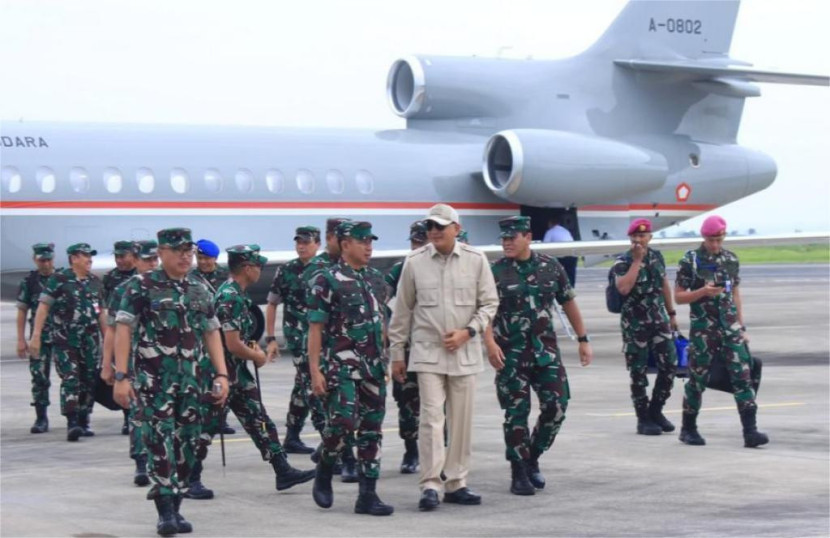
432 225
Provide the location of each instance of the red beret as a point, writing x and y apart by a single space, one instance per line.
713 226
639 226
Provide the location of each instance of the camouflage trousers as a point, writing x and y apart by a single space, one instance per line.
659 343
409 404
40 369
704 344
168 412
76 366
136 441
513 385
303 402
355 406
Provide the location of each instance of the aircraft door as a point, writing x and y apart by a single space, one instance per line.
541 216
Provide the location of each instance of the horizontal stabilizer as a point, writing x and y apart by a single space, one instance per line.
696 71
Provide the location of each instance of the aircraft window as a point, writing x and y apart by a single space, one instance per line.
244 180
45 179
145 180
365 181
179 181
213 180
275 181
11 179
113 180
79 179
305 181
335 181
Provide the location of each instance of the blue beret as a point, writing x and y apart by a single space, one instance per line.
208 248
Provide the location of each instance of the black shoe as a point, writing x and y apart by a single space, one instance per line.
227 430
752 437
198 492
368 501
409 463
288 476
73 430
462 496
183 526
322 493
655 413
83 422
41 424
125 428
293 444
689 433
534 475
519 482
429 500
140 477
166 525
348 473
644 424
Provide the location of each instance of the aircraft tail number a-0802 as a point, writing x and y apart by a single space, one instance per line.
643 123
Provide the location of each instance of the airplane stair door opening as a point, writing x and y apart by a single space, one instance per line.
540 220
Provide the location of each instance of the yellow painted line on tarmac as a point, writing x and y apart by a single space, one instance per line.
707 409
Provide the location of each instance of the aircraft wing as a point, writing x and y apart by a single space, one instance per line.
701 72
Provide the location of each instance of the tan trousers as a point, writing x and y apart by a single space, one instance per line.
458 394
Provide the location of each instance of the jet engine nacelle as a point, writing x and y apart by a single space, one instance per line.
546 168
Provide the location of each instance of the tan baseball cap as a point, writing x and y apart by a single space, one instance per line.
443 215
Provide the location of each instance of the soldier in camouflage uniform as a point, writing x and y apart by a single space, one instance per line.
522 347
125 260
647 319
288 288
346 325
147 259
315 267
406 394
233 309
463 237
74 298
28 298
172 314
206 266
708 279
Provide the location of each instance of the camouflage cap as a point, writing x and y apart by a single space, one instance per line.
174 237
418 231
359 230
81 248
463 237
124 247
239 254
332 224
512 226
44 251
307 233
148 249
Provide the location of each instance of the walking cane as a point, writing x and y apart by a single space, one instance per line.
252 344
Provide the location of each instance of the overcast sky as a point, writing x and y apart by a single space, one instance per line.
324 63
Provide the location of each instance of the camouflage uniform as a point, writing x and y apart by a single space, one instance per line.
646 330
715 329
75 305
28 298
523 329
289 288
213 279
115 277
350 305
171 318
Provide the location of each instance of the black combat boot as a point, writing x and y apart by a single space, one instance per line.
83 422
73 430
197 490
409 464
166 525
41 424
125 428
752 437
368 501
315 458
322 492
655 413
688 432
533 474
182 525
644 424
519 483
140 477
293 444
288 476
348 473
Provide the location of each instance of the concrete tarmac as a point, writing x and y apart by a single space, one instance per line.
602 478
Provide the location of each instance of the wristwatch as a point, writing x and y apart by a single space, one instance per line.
120 376
472 332
583 339
269 339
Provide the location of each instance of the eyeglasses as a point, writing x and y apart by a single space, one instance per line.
432 225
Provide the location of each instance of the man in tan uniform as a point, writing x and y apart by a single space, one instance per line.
446 299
